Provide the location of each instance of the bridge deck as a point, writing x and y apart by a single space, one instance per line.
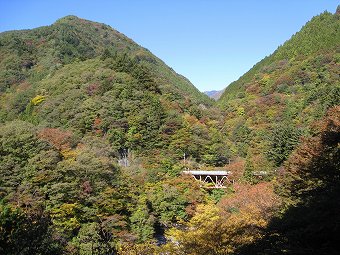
206 172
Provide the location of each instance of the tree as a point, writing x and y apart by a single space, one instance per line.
142 222
237 220
283 140
310 191
27 232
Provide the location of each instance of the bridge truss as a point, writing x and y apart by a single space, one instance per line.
211 179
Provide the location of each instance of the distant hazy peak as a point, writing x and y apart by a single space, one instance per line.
214 94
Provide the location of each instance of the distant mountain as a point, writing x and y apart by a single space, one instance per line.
214 94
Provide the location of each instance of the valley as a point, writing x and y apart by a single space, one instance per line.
100 141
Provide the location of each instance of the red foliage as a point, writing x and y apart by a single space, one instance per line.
29 42
86 187
92 89
42 41
284 79
265 100
237 169
253 89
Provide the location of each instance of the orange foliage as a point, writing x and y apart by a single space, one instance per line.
237 169
247 197
58 138
311 148
97 122
96 126
237 220
191 120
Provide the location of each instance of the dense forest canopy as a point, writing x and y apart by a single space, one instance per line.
95 132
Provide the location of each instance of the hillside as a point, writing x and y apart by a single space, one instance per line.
40 51
275 102
93 129
86 77
318 37
282 124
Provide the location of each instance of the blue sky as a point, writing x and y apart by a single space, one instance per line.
211 42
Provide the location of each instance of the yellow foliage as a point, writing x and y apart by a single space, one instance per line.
68 208
137 136
210 232
64 217
265 79
69 153
240 111
38 99
271 113
190 120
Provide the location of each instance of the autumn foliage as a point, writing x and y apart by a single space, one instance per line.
60 139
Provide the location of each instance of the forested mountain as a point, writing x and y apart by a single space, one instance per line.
88 78
95 131
78 100
42 51
275 102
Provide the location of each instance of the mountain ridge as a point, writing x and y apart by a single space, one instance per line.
283 94
292 49
72 41
76 64
214 94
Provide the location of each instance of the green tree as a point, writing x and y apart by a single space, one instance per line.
283 139
142 222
